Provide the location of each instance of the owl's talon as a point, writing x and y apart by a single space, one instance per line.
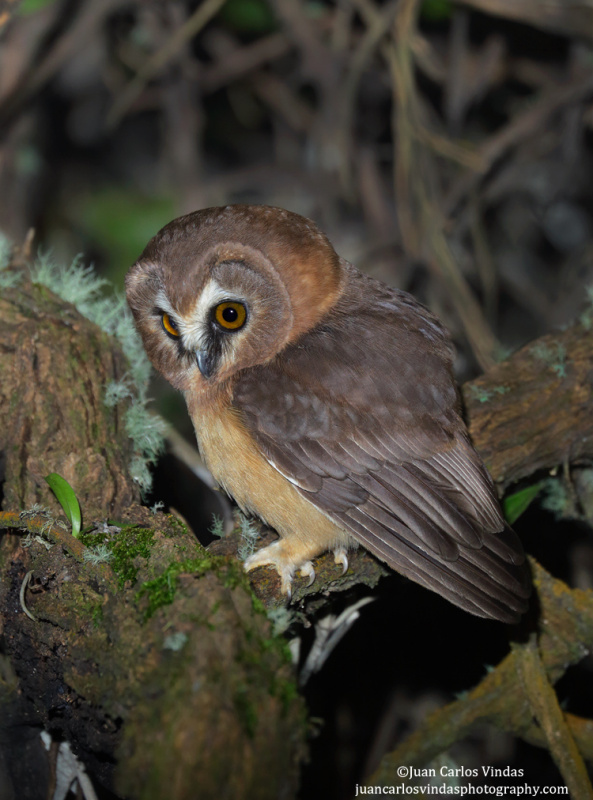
273 556
307 571
341 557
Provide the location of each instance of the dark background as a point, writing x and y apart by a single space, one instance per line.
117 116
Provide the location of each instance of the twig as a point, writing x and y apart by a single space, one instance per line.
243 60
39 524
74 39
22 591
558 16
379 23
520 128
286 103
484 261
421 221
194 24
544 705
565 633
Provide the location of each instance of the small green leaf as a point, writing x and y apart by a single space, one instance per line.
67 499
31 6
516 504
436 10
249 16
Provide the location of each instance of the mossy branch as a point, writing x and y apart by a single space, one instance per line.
43 524
532 412
155 643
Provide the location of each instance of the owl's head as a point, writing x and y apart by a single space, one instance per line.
227 288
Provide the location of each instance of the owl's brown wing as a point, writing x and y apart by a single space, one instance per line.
361 416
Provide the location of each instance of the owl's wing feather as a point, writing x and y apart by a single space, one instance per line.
371 436
469 586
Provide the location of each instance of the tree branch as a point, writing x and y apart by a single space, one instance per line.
152 641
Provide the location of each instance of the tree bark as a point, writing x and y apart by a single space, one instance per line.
154 660
54 368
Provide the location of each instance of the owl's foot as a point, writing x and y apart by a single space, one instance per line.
341 557
276 555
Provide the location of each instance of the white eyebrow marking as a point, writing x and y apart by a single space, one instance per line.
194 328
210 296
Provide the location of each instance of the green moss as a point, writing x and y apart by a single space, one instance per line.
97 615
553 355
260 656
287 692
175 526
483 395
161 591
90 539
125 547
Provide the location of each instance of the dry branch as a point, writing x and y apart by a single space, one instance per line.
421 221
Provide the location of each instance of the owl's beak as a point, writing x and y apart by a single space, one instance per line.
205 362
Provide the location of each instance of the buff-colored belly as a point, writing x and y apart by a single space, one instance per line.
240 468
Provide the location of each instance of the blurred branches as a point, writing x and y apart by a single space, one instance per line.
445 147
574 19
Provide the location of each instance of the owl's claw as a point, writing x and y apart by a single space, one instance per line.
275 555
341 557
307 571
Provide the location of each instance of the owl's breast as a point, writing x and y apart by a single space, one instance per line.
231 454
239 467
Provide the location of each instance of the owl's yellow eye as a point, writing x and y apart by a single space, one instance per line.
169 325
230 316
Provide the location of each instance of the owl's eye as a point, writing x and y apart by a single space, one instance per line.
230 316
169 325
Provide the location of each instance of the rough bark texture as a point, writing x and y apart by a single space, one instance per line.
54 368
534 411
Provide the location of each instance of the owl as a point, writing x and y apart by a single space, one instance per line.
324 403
